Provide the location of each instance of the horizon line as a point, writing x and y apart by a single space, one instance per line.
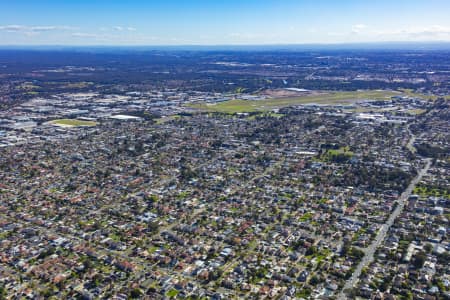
229 45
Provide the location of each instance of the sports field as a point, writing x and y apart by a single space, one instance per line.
73 122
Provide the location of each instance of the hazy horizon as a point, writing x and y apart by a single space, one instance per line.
206 23
394 45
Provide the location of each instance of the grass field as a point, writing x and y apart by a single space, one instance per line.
341 154
265 114
410 93
165 119
78 85
73 122
416 112
237 106
28 86
172 293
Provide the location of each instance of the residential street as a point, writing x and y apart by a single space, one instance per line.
370 251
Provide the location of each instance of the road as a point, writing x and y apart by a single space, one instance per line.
370 251
410 144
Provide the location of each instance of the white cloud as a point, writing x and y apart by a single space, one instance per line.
245 36
122 28
101 36
358 28
13 28
364 33
86 35
30 30
430 31
44 28
434 32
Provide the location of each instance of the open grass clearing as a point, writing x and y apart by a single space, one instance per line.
416 112
165 119
239 106
78 85
73 122
265 114
411 93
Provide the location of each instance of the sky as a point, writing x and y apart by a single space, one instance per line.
221 22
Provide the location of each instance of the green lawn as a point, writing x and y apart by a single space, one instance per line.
337 154
165 119
342 150
78 85
428 191
306 217
172 293
411 93
73 122
237 106
265 114
416 112
322 255
28 86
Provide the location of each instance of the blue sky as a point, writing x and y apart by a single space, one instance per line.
221 22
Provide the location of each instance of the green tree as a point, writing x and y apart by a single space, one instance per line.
2 293
419 260
136 293
311 251
428 247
